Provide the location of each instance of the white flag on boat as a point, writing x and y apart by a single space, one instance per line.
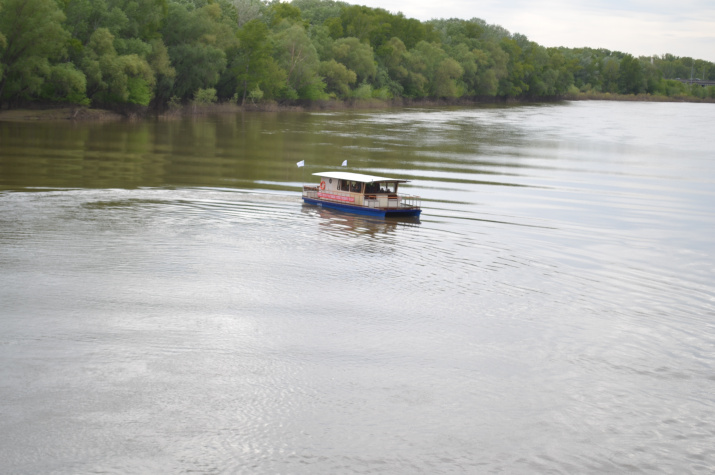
301 163
345 163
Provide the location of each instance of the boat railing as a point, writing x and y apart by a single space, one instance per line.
410 201
379 200
310 192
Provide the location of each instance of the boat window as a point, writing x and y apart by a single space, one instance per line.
388 187
344 185
372 188
355 187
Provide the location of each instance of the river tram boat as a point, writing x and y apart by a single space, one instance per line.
362 194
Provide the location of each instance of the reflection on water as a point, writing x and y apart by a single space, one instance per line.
335 221
168 304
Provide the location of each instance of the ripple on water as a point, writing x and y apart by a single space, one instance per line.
551 310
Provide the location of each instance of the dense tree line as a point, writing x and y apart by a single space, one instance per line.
110 53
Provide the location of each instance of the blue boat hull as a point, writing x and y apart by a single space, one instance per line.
387 213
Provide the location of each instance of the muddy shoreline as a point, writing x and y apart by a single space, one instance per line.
78 113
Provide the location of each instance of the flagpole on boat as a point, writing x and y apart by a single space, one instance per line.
301 164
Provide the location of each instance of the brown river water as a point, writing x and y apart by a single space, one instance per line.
169 305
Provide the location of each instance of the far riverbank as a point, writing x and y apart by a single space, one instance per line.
79 113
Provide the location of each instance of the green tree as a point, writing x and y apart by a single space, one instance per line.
318 11
455 32
393 55
145 17
195 39
480 69
253 66
66 84
674 88
125 19
254 52
513 83
375 26
358 21
3 43
588 67
338 77
322 41
494 62
134 28
113 78
160 63
356 56
363 92
410 30
610 73
274 83
285 11
298 57
651 76
546 71
247 10
630 78
392 73
33 39
564 68
335 27
85 16
666 65
445 78
539 77
475 46
198 65
433 72
205 96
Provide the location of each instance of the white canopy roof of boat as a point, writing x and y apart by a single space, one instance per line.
359 177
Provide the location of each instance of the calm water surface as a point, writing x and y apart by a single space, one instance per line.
168 304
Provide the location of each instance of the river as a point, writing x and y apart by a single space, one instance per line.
169 305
